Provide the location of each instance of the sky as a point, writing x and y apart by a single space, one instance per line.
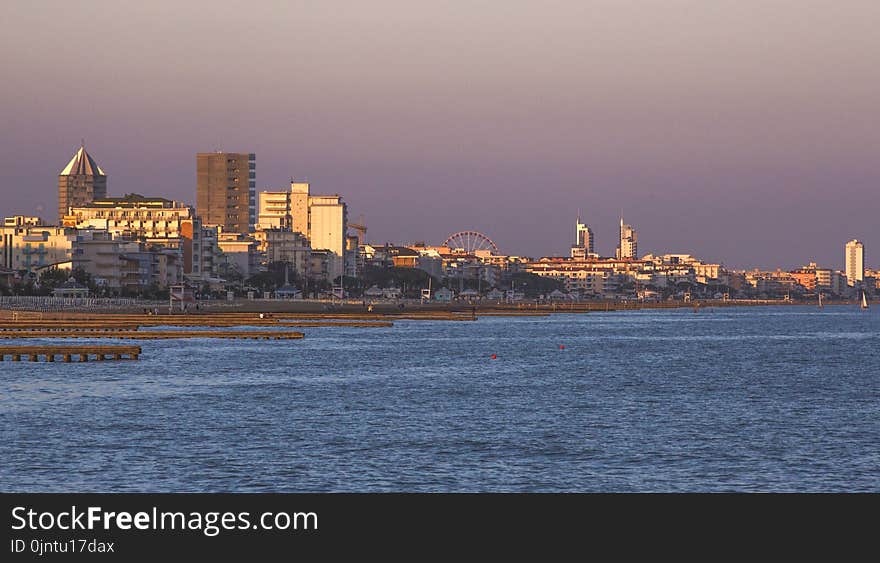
744 132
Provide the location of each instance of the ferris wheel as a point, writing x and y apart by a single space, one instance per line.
469 242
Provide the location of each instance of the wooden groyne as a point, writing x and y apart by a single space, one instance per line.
67 325
206 321
156 334
67 353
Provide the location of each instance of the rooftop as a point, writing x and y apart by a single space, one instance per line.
82 164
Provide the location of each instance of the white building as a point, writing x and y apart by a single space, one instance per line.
322 218
628 247
133 217
855 262
584 241
328 223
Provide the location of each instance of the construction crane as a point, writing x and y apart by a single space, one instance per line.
361 228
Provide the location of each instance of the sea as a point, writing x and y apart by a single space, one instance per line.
725 399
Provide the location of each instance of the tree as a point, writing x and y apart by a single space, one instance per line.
534 285
353 286
412 279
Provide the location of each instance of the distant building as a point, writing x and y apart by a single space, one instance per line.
226 190
855 262
628 247
284 245
35 247
443 295
22 221
81 182
133 217
353 263
807 276
143 265
584 242
70 289
239 251
275 211
328 219
201 250
323 219
823 278
320 265
839 285
591 277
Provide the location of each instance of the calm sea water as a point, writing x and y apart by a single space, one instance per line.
746 399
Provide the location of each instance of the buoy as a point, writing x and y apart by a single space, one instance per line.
494 356
562 346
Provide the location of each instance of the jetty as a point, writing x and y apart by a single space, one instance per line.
155 334
112 323
67 353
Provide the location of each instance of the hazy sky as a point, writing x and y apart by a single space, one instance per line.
746 132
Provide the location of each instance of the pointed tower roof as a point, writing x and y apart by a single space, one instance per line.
82 164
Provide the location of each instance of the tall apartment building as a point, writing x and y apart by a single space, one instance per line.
226 190
81 182
584 242
628 246
855 262
328 223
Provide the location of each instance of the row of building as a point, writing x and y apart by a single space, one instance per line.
586 274
132 242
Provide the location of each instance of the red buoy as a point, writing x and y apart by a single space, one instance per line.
562 346
493 356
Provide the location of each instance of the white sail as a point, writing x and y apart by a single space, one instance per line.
864 299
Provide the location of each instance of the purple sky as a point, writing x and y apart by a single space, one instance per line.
745 132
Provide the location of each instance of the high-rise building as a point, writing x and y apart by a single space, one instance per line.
81 182
226 190
628 247
584 241
328 226
855 262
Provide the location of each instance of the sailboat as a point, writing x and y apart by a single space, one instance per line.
821 305
864 299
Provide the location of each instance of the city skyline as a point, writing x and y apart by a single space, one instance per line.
81 156
751 154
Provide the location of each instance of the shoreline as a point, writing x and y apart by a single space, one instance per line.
351 308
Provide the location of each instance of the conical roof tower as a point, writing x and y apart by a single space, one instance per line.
80 182
82 164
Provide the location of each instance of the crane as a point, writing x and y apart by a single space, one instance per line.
361 228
